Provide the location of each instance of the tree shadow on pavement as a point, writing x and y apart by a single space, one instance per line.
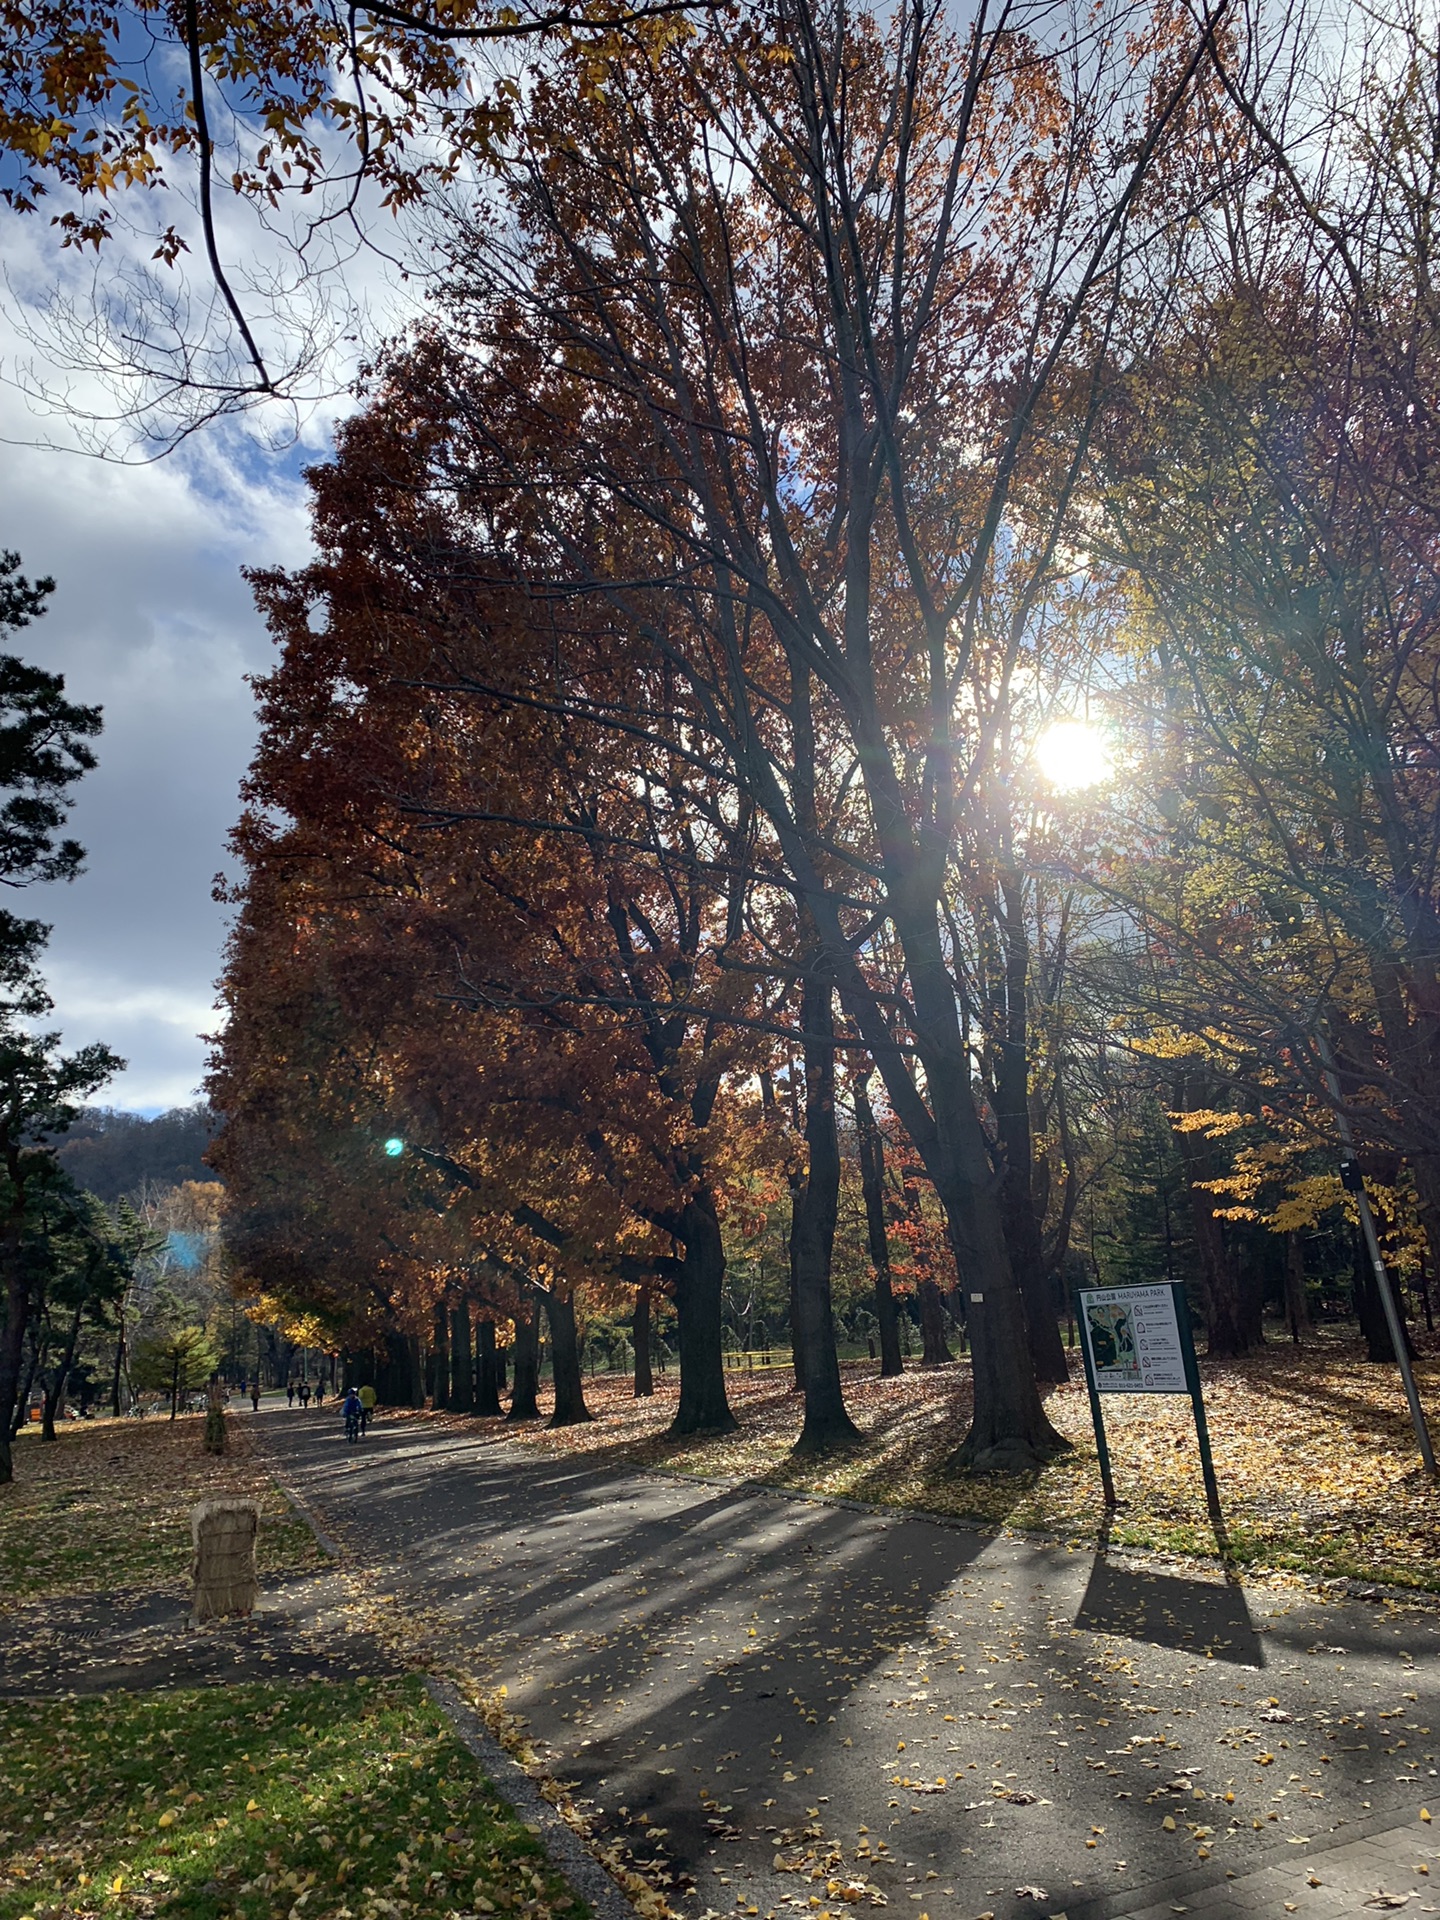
1195 1616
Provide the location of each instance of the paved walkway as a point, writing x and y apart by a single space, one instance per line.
794 1707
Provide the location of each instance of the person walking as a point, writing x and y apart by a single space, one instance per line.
367 1406
255 1395
319 1391
305 1394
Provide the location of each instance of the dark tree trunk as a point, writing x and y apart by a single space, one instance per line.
1297 1307
439 1368
1017 1187
175 1388
872 1185
1220 1284
934 1348
502 1366
24 1399
1370 1310
797 1330
119 1370
570 1407
12 1336
699 1290
487 1399
462 1365
640 1333
525 1400
1252 1297
934 1352
401 1379
812 1237
55 1393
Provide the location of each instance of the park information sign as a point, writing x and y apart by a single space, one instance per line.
1138 1340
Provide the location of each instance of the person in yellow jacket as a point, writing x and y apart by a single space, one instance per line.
367 1406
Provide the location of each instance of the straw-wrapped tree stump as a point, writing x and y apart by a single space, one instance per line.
224 1566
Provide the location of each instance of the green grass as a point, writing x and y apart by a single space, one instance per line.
108 1506
316 1801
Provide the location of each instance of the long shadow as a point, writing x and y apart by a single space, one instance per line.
1193 1616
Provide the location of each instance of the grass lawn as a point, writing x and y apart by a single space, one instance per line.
1313 1449
108 1505
317 1802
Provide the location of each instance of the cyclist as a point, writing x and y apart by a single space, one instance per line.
354 1416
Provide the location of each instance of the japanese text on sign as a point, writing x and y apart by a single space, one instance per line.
1133 1338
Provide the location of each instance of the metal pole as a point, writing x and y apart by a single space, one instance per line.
1353 1181
1097 1413
1197 1402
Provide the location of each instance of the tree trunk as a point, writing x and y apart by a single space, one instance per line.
1017 1186
487 1399
570 1408
524 1400
699 1288
175 1388
1224 1315
55 1396
934 1348
640 1333
1370 1311
812 1237
462 1365
1009 1428
12 1342
1251 1275
439 1368
872 1185
934 1351
1297 1307
119 1371
797 1330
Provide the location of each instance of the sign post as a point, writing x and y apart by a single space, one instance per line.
1138 1340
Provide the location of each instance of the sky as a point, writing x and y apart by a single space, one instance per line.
152 619
151 616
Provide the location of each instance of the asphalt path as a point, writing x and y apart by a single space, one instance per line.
803 1707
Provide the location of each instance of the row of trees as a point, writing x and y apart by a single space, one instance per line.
818 406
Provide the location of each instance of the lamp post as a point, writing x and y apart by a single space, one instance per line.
1353 1180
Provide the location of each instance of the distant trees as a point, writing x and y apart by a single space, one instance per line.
44 750
174 1355
112 1154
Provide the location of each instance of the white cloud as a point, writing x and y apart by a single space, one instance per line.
152 619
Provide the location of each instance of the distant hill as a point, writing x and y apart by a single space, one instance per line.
111 1153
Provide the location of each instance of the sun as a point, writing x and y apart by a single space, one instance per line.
1072 754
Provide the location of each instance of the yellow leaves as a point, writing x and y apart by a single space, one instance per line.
1425 1815
1213 1122
168 1818
1168 1823
1264 1759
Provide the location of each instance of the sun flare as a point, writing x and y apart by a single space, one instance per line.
1072 754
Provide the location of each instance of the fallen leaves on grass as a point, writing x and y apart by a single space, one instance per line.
255 1800
108 1506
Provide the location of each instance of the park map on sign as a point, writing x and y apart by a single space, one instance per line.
1134 1340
